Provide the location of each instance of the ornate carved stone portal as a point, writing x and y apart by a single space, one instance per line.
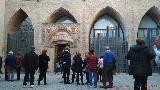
54 34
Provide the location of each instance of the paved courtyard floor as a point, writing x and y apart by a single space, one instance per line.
122 81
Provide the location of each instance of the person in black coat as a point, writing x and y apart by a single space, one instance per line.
43 66
66 64
78 68
140 57
30 65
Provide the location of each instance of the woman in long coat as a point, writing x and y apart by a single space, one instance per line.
43 66
140 58
78 67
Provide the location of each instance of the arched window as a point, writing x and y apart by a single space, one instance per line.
22 36
102 26
65 20
107 31
149 26
148 29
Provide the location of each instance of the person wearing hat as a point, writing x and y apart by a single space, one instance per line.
10 63
140 57
108 64
30 65
66 64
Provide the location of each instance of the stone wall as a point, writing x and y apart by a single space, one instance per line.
2 14
128 12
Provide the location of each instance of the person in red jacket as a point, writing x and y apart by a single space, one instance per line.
19 60
92 62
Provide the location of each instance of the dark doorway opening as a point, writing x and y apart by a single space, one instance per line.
58 52
59 49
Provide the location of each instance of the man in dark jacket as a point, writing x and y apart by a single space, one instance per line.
10 62
30 66
140 57
66 64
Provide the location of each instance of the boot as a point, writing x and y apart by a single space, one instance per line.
104 85
45 81
109 86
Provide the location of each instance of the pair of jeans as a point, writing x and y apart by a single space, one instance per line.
87 76
10 73
27 75
107 75
42 76
77 78
18 72
93 77
6 74
66 73
73 76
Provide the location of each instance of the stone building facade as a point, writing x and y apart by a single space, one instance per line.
48 34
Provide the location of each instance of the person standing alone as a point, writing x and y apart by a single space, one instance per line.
140 57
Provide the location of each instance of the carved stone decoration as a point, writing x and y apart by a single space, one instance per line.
59 34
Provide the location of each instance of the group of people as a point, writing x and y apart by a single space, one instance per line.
93 67
102 68
140 58
13 63
30 62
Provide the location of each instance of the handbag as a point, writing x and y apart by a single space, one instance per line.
114 70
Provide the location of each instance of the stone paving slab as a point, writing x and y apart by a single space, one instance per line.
122 81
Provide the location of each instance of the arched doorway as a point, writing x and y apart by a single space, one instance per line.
20 35
108 31
61 44
59 30
149 28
